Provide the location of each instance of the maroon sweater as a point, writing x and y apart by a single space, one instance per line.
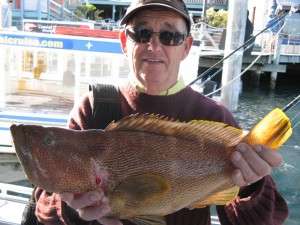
259 203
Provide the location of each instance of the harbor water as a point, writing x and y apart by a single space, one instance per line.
253 105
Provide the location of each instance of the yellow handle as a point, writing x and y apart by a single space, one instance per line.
273 130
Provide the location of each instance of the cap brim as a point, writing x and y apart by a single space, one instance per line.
125 19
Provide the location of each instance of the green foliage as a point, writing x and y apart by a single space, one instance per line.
216 18
86 11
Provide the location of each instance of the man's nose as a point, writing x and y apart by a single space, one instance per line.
154 43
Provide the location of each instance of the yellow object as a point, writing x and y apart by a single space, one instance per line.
22 83
272 131
37 72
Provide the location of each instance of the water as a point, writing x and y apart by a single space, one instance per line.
257 102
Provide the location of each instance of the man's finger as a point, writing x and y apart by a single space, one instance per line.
238 179
273 158
94 212
66 197
246 171
258 165
86 199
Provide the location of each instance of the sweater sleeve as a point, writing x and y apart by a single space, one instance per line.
259 203
81 114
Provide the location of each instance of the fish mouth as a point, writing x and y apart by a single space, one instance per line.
20 142
18 135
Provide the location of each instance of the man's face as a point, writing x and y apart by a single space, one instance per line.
154 64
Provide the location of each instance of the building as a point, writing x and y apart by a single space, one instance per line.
114 9
111 9
42 10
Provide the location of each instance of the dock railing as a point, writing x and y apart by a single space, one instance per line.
210 38
289 43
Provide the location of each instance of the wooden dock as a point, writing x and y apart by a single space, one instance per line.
274 52
264 64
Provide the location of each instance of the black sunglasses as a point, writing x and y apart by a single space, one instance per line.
143 35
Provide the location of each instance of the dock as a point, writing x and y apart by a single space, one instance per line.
211 47
272 51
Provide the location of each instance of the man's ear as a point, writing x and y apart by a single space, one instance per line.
123 40
188 44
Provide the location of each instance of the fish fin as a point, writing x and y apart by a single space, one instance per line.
273 130
148 220
220 198
217 132
141 188
196 129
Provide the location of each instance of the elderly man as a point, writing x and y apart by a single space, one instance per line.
156 38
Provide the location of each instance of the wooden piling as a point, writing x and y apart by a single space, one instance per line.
236 25
275 61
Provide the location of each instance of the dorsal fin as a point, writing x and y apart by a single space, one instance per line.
193 130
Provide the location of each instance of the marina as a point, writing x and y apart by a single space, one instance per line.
43 74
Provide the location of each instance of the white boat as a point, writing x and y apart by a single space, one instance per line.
13 199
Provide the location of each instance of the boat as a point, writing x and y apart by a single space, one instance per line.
85 29
13 199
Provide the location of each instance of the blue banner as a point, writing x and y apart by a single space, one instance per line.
77 44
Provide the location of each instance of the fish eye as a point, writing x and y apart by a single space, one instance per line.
49 140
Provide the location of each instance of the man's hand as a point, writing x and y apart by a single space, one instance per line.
92 205
252 163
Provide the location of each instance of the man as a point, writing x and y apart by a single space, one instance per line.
155 40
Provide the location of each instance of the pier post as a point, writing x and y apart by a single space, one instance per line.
276 60
236 25
204 4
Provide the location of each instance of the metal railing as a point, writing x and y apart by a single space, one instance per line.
210 38
15 193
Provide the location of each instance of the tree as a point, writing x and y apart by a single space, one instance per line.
86 11
216 18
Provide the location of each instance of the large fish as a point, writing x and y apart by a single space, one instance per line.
147 165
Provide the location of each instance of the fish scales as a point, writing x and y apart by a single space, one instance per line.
147 165
133 154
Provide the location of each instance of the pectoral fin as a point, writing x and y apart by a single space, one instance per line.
220 198
141 188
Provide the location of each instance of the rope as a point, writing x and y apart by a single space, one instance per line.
295 117
237 77
292 104
296 124
220 69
